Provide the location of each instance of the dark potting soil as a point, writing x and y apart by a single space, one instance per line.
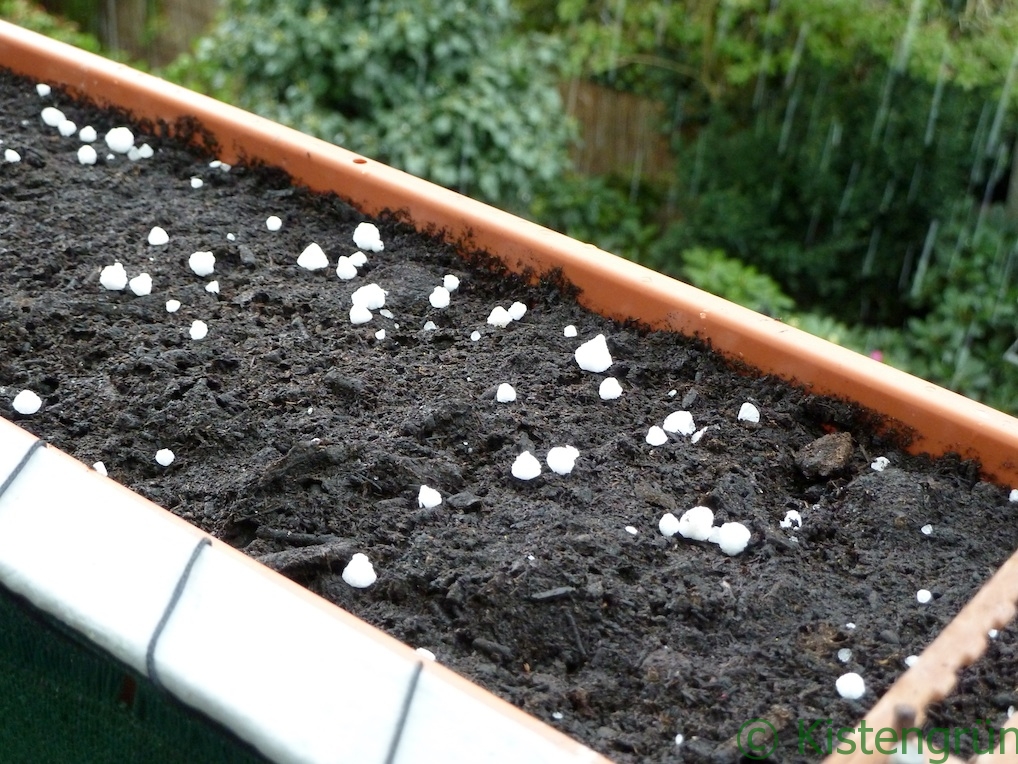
300 438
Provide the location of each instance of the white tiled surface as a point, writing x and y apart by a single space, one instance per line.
483 735
299 684
75 544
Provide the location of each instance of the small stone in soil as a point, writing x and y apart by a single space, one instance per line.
850 686
367 237
656 436
312 258
199 330
157 237
27 403
359 572
428 497
561 459
668 525
526 466
749 413
609 389
826 456
680 422
202 263
113 277
593 355
165 457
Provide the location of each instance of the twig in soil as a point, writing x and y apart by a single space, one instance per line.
576 636
293 538
302 562
553 594
493 649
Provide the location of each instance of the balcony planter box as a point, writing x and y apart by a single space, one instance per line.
419 705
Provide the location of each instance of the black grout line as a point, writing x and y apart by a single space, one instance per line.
21 465
178 590
404 713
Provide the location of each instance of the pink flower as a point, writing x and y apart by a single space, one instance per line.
877 355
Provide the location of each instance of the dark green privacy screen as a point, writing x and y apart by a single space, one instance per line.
63 700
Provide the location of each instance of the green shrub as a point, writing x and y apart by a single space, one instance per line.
32 16
441 88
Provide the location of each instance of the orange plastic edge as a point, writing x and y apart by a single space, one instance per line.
940 421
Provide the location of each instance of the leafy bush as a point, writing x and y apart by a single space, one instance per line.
32 16
715 272
443 89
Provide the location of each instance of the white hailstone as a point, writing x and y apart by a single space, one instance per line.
141 284
225 167
202 263
696 436
120 139
26 402
593 355
87 155
569 331
380 335
197 182
850 626
609 389
850 686
231 237
993 633
499 317
425 653
911 660
67 128
359 314
215 163
100 468
880 463
359 572
749 413
359 259
923 596
791 516
696 523
668 525
212 287
134 153
429 326
672 393
526 466
439 297
165 457
12 156
474 336
199 330
631 530
146 151
52 116
517 311
844 655
345 269
428 497
158 236
680 422
733 538
450 282
926 530
172 306
562 459
313 258
680 739
113 277
367 237
273 222
371 296
506 393
656 436
388 314
43 89
87 134
1013 496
